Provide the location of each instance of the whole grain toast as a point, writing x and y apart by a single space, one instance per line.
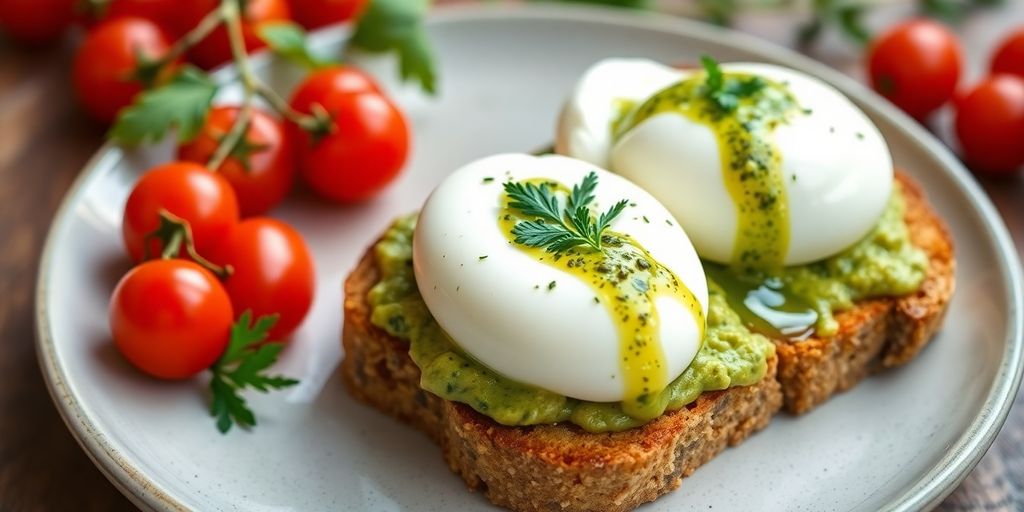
547 467
561 467
878 333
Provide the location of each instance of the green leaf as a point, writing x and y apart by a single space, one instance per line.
555 229
583 193
241 367
726 91
534 200
714 71
245 334
532 233
607 217
288 40
851 20
397 26
182 104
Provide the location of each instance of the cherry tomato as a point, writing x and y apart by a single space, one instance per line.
170 318
161 12
916 65
272 272
990 124
36 21
215 49
106 63
187 190
318 13
369 142
1009 58
261 168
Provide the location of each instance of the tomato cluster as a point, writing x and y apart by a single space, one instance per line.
132 45
200 266
917 65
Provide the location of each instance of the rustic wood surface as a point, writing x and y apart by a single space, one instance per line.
45 141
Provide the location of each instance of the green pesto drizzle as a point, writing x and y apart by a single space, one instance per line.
627 280
797 301
742 110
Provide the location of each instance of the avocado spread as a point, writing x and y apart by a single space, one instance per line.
800 300
730 355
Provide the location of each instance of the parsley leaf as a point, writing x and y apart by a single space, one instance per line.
397 26
241 366
714 71
727 91
182 103
288 40
554 228
583 193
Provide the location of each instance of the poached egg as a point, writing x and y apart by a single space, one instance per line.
822 173
602 325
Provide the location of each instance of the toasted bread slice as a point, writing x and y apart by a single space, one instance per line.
878 333
546 467
561 467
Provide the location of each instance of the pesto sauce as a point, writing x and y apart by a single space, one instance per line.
751 164
801 300
626 280
730 355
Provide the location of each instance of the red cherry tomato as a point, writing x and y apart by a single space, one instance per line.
260 170
215 49
272 272
369 142
1009 58
161 12
106 63
318 13
36 21
990 125
170 318
187 190
916 65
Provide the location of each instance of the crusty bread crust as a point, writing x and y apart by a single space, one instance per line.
547 467
879 333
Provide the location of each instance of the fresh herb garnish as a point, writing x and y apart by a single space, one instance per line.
289 40
240 367
181 104
554 228
726 92
397 26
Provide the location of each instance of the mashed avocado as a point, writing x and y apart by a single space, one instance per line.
798 300
730 356
884 263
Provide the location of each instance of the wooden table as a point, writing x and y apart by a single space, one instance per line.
45 141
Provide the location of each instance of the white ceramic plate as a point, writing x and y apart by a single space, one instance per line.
901 440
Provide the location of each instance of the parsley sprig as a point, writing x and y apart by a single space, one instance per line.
726 92
558 229
241 367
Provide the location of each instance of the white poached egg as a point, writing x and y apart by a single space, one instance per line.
836 167
531 320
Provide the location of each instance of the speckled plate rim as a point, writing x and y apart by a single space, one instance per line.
930 488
